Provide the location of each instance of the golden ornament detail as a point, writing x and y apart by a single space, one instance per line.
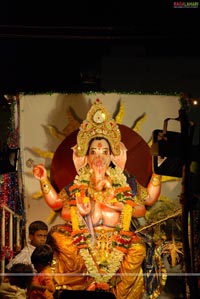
45 185
98 124
156 179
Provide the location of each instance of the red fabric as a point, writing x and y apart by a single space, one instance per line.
139 159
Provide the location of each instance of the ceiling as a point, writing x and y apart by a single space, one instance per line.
75 45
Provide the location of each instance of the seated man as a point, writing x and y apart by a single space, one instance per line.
17 283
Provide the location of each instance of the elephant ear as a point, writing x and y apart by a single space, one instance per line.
120 160
79 162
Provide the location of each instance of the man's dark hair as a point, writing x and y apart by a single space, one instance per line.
37 225
42 256
21 275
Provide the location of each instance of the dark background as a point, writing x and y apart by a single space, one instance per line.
73 46
125 46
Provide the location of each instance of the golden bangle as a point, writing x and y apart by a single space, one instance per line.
156 179
45 185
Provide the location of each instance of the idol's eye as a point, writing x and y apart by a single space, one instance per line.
106 152
92 152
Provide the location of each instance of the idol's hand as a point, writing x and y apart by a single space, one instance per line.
39 172
103 185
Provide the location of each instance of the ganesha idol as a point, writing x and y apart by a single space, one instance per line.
96 248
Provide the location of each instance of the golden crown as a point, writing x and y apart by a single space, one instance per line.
98 124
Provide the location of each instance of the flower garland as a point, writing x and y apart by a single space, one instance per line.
6 253
11 198
121 238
